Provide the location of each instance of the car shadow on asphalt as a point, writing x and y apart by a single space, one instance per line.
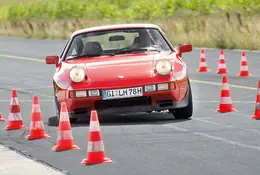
126 119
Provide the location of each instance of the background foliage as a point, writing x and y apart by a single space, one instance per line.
120 9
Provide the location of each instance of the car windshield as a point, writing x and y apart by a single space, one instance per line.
118 41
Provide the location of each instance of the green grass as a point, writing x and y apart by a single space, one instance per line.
201 22
121 9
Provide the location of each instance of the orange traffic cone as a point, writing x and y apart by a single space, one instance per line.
222 67
65 140
243 66
1 118
225 99
36 128
15 118
95 152
203 62
257 106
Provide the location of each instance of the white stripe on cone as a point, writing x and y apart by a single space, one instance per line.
222 65
244 68
65 135
14 117
94 126
258 91
225 100
36 125
95 146
64 116
202 55
36 108
225 86
243 58
14 101
203 64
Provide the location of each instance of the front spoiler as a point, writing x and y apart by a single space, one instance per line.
133 109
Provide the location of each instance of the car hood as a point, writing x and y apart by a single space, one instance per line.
119 67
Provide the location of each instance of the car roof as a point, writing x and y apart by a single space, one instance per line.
117 26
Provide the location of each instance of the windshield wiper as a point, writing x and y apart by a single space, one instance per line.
87 55
125 51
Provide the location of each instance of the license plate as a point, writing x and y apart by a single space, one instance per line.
122 93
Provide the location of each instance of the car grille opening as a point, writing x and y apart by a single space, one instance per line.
102 104
164 103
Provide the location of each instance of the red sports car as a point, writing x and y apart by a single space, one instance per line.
126 68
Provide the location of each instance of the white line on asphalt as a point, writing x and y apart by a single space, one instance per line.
218 101
225 140
220 84
206 121
29 92
175 127
22 58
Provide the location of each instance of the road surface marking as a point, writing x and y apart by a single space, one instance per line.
22 58
224 140
227 141
175 127
192 80
29 92
218 101
220 84
206 120
33 88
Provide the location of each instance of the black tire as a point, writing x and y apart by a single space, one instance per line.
186 112
57 106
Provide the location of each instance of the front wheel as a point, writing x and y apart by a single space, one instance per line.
186 112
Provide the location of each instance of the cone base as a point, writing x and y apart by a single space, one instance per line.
87 162
244 74
2 120
31 137
65 148
203 70
255 117
14 127
222 72
227 110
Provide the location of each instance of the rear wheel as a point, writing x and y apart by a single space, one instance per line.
186 112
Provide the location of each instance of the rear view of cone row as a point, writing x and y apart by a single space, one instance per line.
222 67
65 141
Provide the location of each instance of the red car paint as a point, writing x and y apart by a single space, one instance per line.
119 71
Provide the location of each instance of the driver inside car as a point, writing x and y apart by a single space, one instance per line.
144 40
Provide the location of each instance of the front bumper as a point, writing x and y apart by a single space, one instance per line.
153 101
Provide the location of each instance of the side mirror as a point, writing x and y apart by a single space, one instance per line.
185 48
51 59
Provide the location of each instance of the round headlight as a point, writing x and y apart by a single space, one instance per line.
163 67
77 74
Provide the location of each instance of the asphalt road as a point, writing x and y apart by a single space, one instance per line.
209 143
